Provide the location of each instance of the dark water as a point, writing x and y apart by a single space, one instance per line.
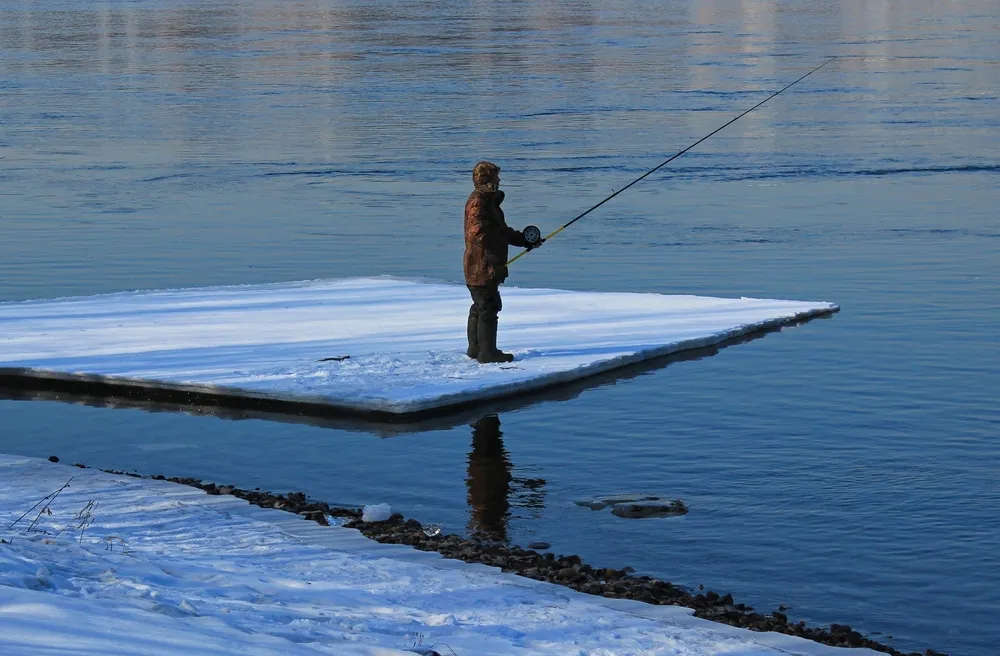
847 468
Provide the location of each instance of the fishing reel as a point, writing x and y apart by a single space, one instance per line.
533 236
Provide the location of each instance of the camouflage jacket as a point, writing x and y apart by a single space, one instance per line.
487 237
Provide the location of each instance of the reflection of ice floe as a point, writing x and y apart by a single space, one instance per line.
635 506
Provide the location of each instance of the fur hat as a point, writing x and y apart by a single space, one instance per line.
484 172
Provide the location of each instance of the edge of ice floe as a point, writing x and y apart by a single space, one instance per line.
18 375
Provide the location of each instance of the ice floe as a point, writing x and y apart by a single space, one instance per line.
367 344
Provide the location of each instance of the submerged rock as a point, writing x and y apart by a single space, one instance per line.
650 508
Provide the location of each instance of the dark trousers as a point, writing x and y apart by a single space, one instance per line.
486 305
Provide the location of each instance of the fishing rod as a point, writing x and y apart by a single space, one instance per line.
535 235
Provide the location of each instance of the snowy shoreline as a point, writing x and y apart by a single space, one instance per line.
485 611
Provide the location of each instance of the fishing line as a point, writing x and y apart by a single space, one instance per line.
668 160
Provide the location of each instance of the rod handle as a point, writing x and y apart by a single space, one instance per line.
526 251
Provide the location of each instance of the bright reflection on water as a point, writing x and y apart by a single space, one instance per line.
847 468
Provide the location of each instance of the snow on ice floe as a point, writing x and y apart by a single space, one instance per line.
212 575
405 339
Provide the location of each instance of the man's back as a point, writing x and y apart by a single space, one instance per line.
487 237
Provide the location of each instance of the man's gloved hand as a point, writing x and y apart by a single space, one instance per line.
536 245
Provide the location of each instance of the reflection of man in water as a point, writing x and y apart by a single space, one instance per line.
492 485
489 480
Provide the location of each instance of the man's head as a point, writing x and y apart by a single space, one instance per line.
486 176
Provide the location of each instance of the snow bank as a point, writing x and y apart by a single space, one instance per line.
405 340
167 570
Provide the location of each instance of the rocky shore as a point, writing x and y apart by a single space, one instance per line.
569 571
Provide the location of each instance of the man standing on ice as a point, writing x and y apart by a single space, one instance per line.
487 237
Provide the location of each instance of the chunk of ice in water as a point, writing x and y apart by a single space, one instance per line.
639 509
602 502
376 513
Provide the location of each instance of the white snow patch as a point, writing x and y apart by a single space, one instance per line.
376 513
405 339
213 575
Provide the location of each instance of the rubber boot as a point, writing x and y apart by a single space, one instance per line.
488 342
473 332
